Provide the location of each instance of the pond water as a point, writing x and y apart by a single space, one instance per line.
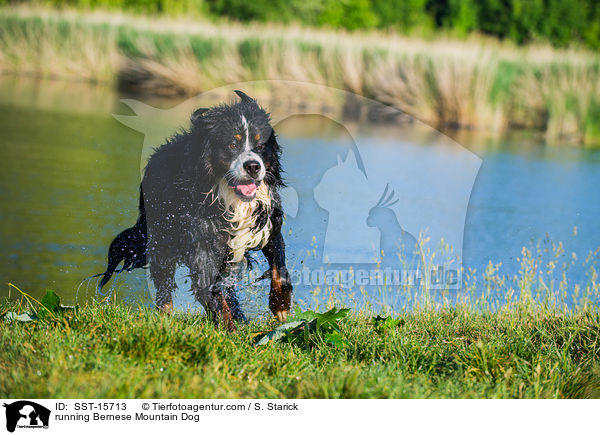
69 178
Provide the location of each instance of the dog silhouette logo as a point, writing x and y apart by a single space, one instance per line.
26 414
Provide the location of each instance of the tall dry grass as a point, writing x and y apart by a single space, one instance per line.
476 83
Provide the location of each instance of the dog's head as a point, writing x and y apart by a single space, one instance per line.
239 145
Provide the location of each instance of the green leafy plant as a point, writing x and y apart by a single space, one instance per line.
306 329
383 324
23 317
48 307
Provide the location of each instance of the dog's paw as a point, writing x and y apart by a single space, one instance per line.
282 316
229 324
166 308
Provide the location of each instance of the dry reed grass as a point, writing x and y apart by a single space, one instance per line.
476 83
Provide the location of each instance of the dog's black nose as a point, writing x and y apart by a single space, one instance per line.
252 167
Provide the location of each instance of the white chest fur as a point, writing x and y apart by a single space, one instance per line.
240 214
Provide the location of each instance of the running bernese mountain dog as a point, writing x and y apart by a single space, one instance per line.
208 196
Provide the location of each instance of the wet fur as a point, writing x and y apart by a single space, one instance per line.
245 231
194 218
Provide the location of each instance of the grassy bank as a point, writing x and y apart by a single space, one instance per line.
476 83
111 351
533 335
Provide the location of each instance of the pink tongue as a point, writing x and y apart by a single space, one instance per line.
246 189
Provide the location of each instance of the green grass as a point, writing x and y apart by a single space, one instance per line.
535 334
118 352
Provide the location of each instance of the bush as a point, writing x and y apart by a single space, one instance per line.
560 22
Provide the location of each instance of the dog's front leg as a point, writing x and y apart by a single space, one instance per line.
219 308
280 298
217 298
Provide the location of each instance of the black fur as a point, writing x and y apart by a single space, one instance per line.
129 246
179 220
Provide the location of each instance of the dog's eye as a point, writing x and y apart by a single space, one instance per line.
259 146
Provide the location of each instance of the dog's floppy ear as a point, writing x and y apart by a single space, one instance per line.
245 98
198 114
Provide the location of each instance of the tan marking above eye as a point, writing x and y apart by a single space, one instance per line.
257 137
238 137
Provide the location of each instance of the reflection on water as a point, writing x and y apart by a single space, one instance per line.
69 182
64 183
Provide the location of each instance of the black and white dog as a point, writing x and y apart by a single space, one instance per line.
208 196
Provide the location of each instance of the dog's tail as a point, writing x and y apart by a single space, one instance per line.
115 256
128 246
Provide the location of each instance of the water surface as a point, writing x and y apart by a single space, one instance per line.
69 178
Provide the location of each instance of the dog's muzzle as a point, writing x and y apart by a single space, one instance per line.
246 174
252 168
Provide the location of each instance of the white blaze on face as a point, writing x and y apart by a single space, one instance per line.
246 134
237 166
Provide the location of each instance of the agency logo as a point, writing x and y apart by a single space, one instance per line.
367 206
25 414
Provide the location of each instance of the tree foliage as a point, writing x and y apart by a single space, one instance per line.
559 22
